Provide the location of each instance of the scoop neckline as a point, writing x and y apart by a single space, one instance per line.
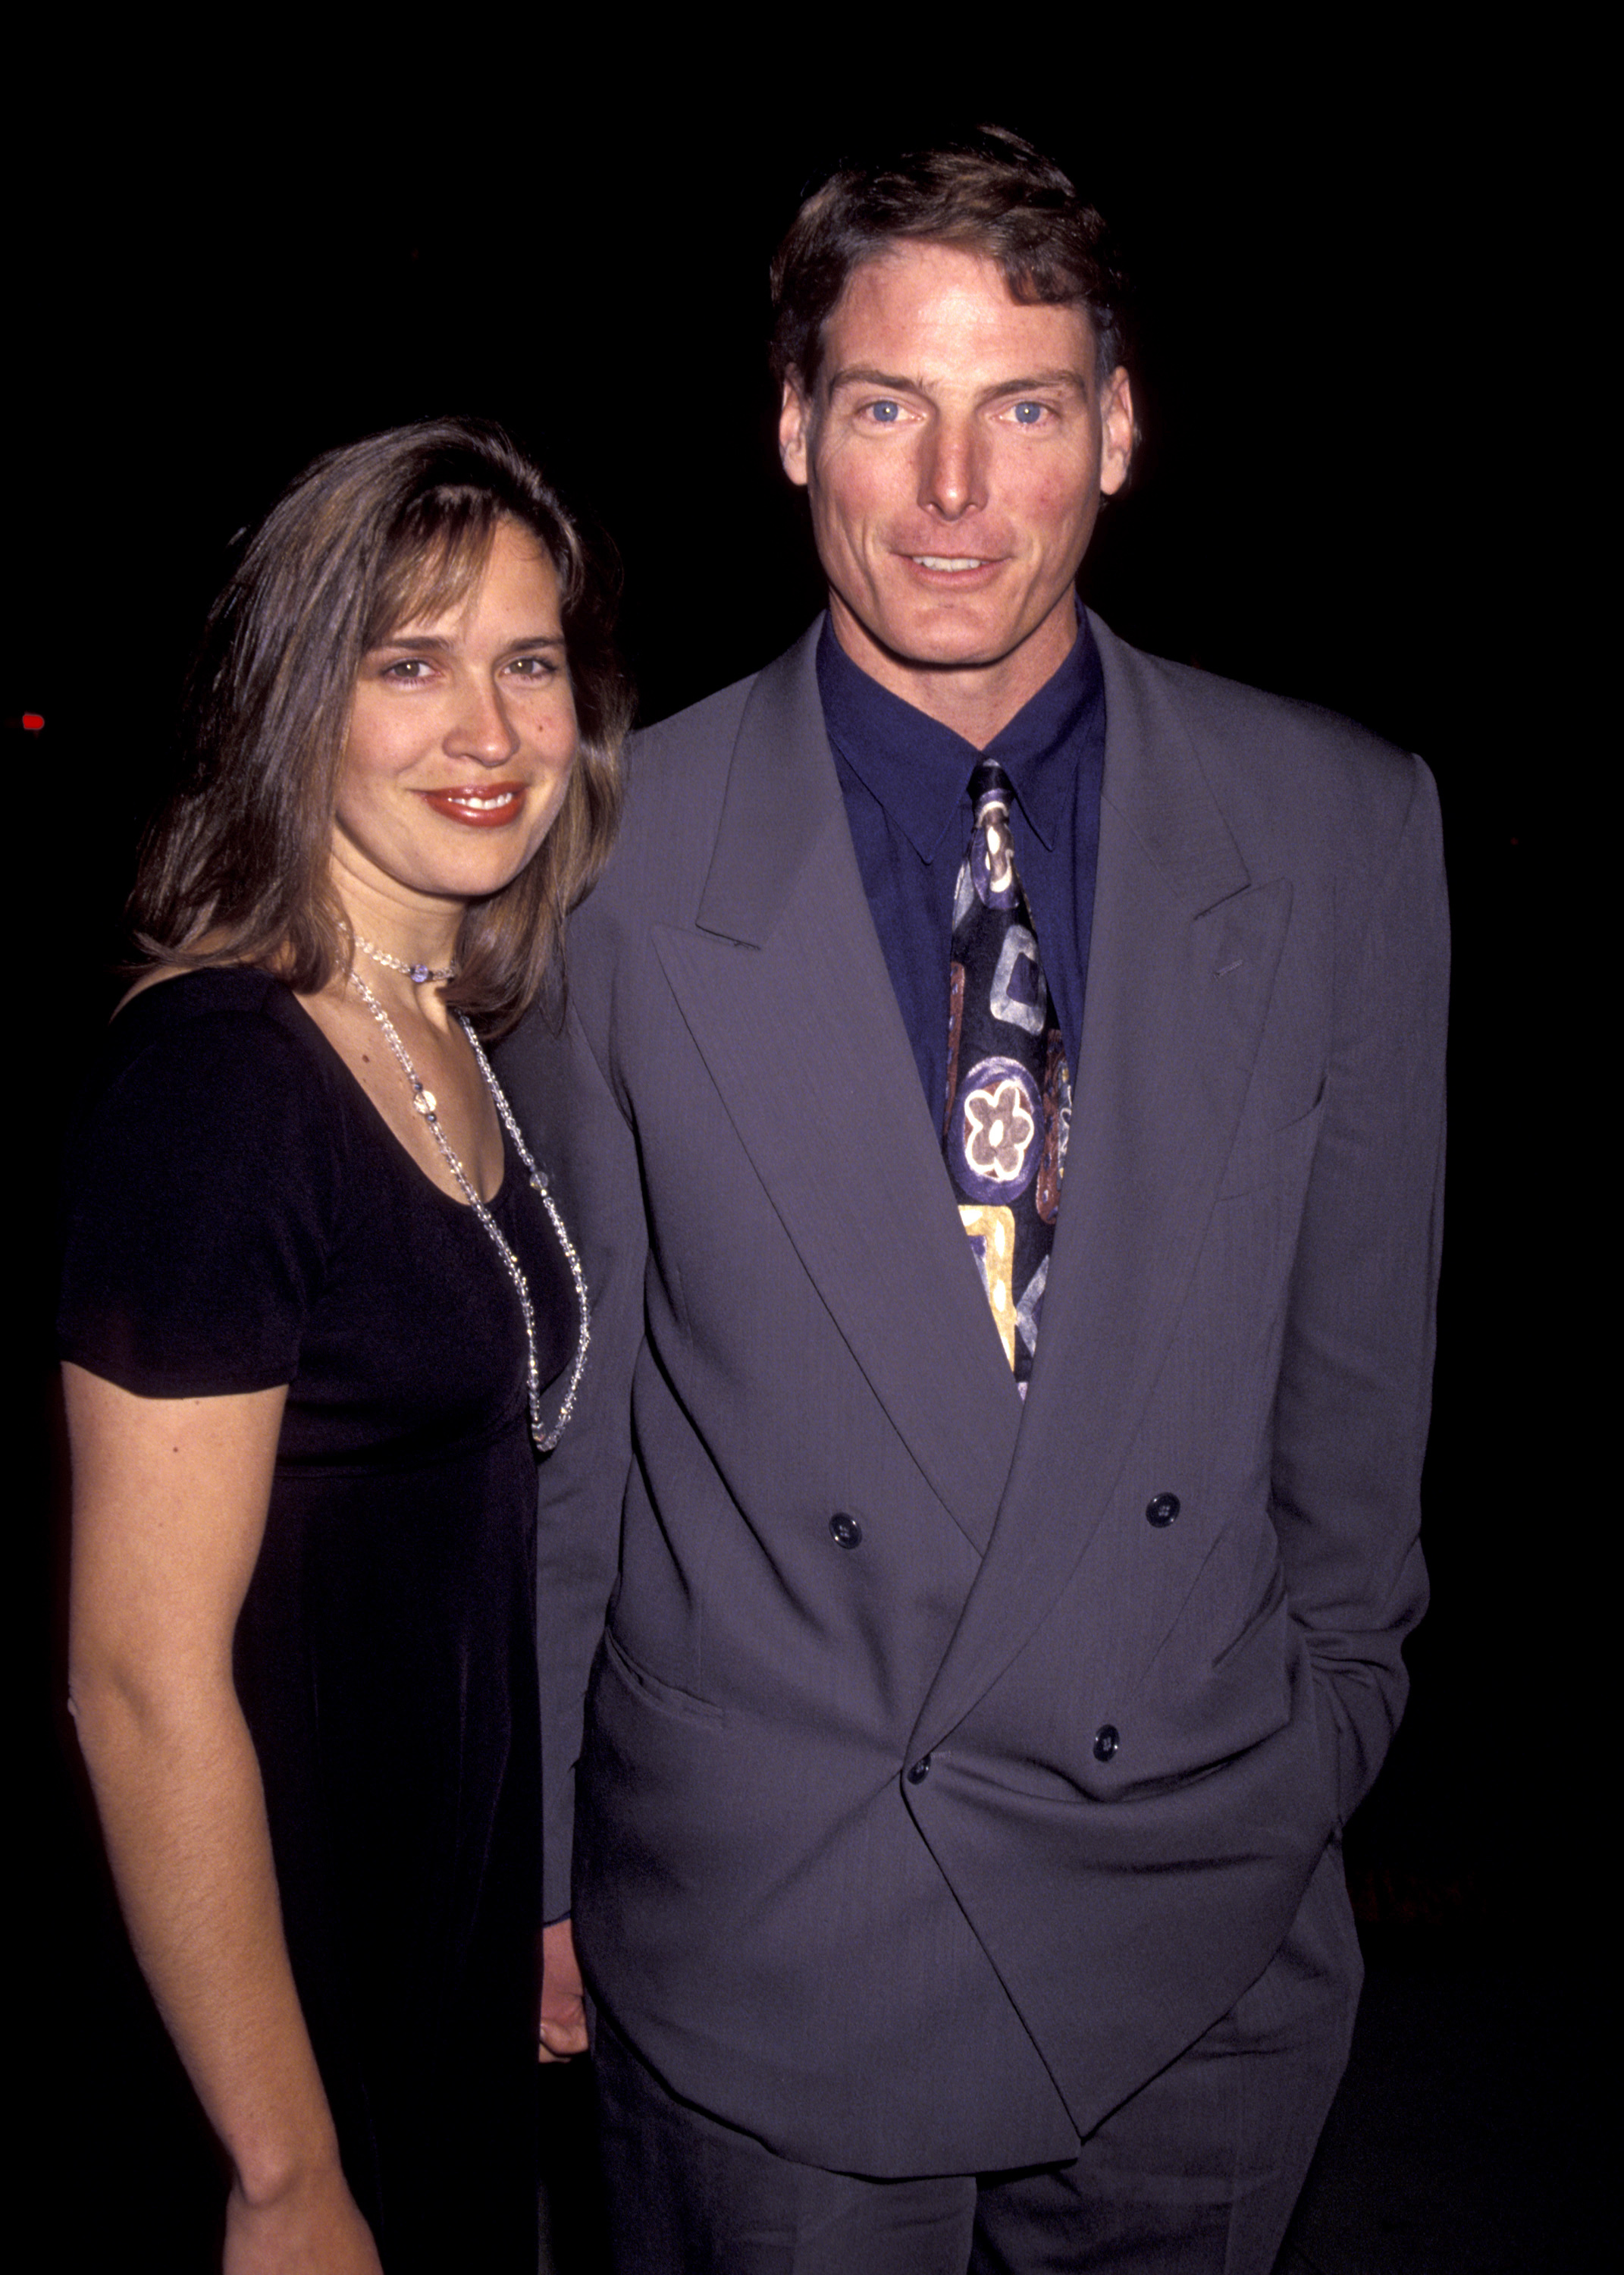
254 972
452 1200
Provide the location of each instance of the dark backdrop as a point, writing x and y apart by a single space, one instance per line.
1334 283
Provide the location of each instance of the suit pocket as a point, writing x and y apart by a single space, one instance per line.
1271 1156
650 1691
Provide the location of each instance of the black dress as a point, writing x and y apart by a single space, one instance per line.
238 1216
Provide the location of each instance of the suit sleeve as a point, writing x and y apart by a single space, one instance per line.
1355 1376
591 1160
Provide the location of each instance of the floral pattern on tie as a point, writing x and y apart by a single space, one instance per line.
1007 1110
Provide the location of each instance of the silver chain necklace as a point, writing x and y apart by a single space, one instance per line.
423 1099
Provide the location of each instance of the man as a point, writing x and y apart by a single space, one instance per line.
1000 1111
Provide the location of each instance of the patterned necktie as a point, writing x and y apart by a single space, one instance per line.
1008 1106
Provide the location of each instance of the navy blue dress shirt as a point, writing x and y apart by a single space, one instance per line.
906 782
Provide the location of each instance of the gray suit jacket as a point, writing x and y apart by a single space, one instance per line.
920 1851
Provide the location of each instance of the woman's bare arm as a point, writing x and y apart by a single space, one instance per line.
170 1497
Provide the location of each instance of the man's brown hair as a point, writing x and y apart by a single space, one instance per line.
991 193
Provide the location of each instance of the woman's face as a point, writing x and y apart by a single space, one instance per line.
462 735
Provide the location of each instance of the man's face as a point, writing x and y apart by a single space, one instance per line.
956 454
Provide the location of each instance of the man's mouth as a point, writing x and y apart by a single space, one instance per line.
952 562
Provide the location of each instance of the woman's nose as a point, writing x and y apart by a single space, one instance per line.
482 729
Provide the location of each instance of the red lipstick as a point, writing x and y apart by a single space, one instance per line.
478 806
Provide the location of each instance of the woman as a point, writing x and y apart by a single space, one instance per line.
318 1316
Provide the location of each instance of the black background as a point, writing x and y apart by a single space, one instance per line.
1340 255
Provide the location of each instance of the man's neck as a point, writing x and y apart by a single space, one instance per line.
976 700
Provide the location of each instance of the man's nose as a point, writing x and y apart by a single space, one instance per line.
482 729
952 475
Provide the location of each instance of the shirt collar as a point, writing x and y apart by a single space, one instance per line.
919 769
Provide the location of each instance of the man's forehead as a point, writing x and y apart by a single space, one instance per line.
951 305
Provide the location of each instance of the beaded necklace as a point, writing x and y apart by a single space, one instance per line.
423 1099
416 972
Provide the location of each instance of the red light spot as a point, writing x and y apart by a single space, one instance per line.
32 720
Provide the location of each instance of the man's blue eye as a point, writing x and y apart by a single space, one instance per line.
888 413
1029 414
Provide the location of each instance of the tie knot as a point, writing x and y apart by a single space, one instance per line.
989 785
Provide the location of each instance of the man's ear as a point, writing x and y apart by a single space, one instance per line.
1116 432
794 430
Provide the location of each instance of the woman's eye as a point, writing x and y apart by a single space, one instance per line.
533 667
407 670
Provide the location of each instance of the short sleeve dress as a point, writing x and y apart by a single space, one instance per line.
238 1216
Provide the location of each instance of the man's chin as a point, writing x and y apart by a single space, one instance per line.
951 637
947 639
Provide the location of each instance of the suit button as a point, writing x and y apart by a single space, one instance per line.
1105 1742
844 1530
1163 1510
919 1771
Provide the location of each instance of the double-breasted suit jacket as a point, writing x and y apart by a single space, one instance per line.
949 1764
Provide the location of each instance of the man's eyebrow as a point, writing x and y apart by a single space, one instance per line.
1064 376
864 375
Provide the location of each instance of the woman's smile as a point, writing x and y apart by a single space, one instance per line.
465 718
488 805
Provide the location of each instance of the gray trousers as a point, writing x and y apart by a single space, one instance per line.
1196 2174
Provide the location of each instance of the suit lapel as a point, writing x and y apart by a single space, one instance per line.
1181 965
785 991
